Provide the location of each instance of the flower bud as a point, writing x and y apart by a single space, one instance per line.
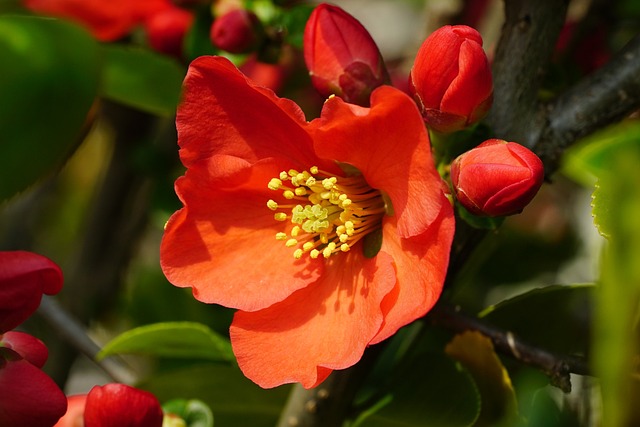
237 31
166 30
119 405
451 79
496 178
341 56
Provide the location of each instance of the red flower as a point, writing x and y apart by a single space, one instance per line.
341 56
28 397
237 31
167 28
451 79
119 405
281 217
107 20
24 277
497 178
29 348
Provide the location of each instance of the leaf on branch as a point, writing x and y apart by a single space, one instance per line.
173 340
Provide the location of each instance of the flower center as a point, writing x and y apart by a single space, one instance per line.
330 214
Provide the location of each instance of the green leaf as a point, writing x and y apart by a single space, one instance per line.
172 340
49 79
616 348
552 317
195 413
234 400
594 155
142 79
431 390
294 21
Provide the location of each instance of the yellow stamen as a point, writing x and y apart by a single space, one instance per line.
330 213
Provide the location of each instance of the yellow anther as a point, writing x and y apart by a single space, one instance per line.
295 231
331 246
313 170
272 205
314 253
344 237
293 172
300 191
297 254
280 216
308 246
288 194
345 203
291 242
281 236
311 181
326 252
344 247
284 176
328 183
324 238
274 184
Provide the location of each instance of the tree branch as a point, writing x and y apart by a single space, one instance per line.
602 98
556 367
528 37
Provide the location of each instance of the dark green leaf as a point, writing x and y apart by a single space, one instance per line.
554 317
430 391
173 340
49 79
142 79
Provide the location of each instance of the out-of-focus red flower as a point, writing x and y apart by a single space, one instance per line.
167 28
451 79
74 417
24 277
28 347
589 53
497 178
119 405
341 56
28 397
301 209
237 31
107 20
263 74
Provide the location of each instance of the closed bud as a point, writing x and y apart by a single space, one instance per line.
166 30
496 178
119 405
451 79
341 56
237 31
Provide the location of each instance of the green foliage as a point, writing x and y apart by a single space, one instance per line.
142 79
547 316
48 81
234 400
195 413
173 340
429 390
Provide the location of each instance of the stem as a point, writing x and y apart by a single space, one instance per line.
602 98
556 367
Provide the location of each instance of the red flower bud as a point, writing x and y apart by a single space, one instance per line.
24 277
28 397
119 405
237 31
341 56
451 79
166 30
496 178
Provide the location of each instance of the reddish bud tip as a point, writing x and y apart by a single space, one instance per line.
451 79
166 30
119 405
341 55
496 178
237 31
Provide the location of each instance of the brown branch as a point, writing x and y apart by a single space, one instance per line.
604 97
527 41
556 367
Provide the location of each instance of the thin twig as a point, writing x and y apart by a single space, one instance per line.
74 333
556 367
